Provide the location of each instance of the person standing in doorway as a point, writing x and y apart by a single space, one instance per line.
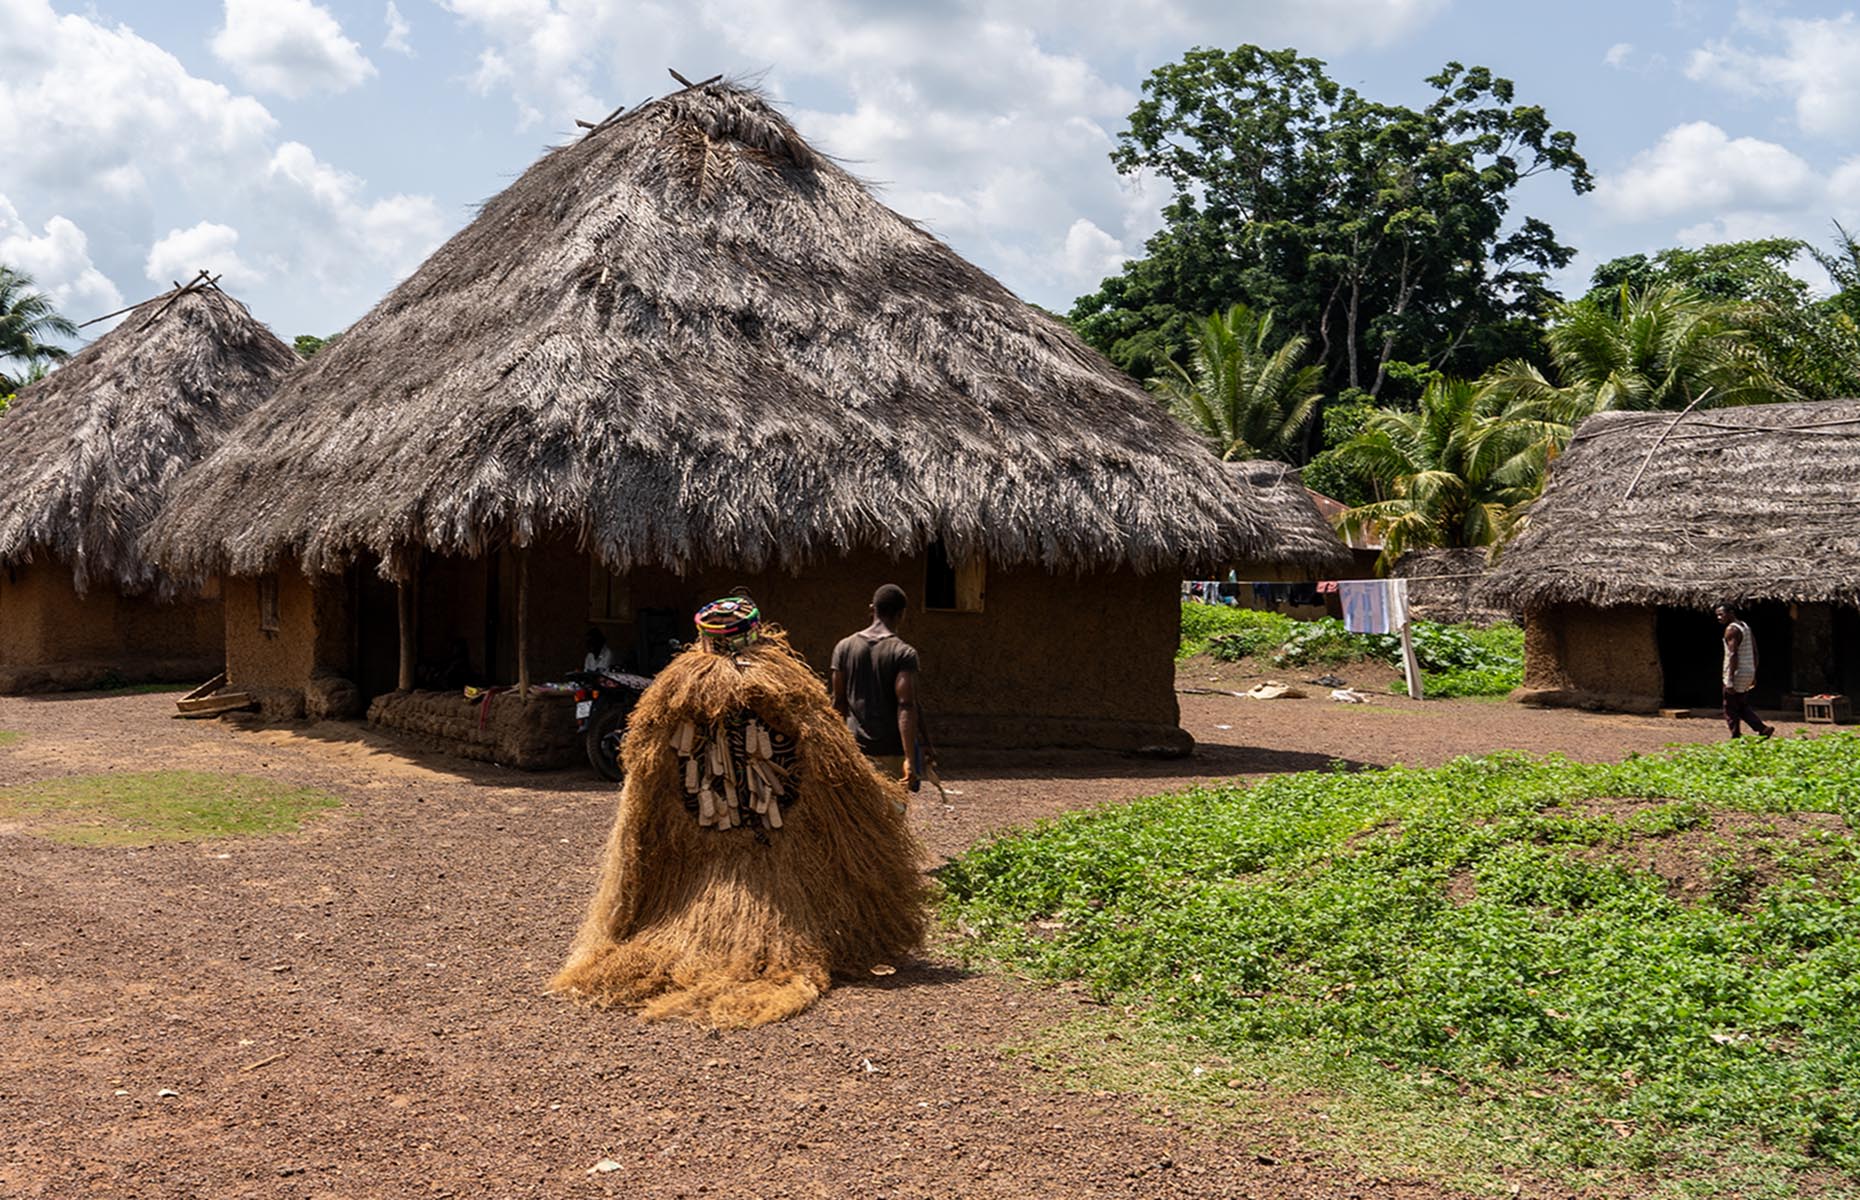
1740 673
875 688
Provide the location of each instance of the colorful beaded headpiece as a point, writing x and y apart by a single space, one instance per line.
730 623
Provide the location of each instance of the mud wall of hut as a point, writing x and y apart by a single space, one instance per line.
51 638
1049 660
1593 657
310 641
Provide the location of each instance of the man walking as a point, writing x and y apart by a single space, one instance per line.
1740 673
875 687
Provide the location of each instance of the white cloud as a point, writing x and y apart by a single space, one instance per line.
1091 253
90 107
291 47
1697 166
207 246
391 234
1808 61
1617 54
59 262
113 134
397 31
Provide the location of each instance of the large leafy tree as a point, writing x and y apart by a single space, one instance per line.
1753 272
1381 232
1248 397
1810 346
27 322
1661 348
1456 471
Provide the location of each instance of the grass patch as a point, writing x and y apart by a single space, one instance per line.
1481 953
144 808
8 737
1456 660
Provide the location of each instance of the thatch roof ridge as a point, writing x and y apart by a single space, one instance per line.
90 451
1299 536
1735 504
689 338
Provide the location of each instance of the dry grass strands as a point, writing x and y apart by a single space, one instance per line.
1735 504
90 452
687 339
1297 533
737 924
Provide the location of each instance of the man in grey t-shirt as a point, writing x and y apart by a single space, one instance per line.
875 687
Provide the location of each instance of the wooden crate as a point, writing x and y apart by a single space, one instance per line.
1827 710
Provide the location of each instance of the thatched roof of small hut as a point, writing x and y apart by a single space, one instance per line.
1443 585
1735 504
688 338
1299 536
89 452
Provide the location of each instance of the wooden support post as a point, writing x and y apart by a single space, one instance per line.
403 591
1410 663
523 622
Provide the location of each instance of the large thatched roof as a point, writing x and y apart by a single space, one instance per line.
1299 536
88 453
689 338
1738 504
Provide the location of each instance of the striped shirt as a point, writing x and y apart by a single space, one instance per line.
1745 676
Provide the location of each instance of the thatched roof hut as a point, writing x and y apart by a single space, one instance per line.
1738 504
1443 585
1649 520
1300 537
688 338
90 451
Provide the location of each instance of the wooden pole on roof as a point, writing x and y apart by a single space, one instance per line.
523 622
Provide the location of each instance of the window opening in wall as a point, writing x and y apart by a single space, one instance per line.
609 598
268 604
953 586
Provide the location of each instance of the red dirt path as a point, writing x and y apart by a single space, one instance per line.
356 1010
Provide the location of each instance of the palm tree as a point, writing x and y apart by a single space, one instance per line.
26 318
1458 471
1248 399
1660 348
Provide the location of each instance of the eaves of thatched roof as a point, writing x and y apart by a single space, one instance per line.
1298 534
688 338
89 452
1736 504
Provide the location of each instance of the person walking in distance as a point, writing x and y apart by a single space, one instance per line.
1740 673
875 688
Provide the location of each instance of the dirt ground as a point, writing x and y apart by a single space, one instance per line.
356 1010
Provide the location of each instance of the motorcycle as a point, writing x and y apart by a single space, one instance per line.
603 702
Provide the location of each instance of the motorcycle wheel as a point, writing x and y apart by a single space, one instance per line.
603 739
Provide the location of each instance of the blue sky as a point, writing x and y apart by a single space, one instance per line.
314 151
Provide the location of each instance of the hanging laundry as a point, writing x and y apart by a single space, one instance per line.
1374 605
1304 593
1327 587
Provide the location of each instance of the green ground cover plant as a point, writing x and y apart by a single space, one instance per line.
1456 660
143 808
1650 966
8 737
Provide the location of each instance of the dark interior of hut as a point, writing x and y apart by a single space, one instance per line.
1846 679
1692 658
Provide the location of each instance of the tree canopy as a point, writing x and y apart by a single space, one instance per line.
1381 232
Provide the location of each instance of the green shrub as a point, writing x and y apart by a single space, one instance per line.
1456 660
1468 924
